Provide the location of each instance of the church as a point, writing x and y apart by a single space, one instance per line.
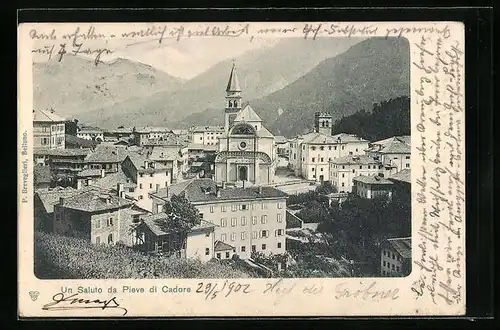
247 152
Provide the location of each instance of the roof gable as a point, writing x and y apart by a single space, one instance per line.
247 114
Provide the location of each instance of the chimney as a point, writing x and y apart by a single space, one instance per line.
61 201
103 173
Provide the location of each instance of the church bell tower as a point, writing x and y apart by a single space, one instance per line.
233 99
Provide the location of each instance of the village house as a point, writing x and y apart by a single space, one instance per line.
206 135
171 158
108 158
248 219
311 153
117 134
44 201
90 133
373 186
146 176
87 176
154 235
42 177
395 257
97 216
73 142
198 151
282 145
344 169
394 151
402 185
144 134
48 130
64 163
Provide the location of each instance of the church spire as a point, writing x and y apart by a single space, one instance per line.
233 84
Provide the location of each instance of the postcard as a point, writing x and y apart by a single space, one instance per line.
232 169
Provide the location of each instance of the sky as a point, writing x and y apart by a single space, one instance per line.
184 59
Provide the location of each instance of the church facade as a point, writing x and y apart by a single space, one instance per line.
247 152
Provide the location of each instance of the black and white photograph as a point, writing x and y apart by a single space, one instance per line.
239 167
224 158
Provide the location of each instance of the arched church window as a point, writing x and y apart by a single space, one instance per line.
243 130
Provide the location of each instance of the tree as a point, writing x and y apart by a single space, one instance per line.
326 188
182 215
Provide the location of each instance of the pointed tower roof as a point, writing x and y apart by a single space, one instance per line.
247 114
233 84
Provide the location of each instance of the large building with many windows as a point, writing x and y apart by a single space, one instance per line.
395 257
247 219
48 130
394 151
206 135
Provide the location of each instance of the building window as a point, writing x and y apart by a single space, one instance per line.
150 186
383 263
264 206
343 175
212 209
243 248
140 197
234 207
383 252
343 167
360 167
280 217
140 185
263 246
407 165
313 159
353 171
253 206
110 238
263 219
264 234
280 205
397 268
342 184
312 169
223 208
233 236
218 255
243 235
343 147
321 148
223 222
223 237
233 221
207 251
407 157
279 232
329 159
243 221
244 207
279 245
322 159
98 223
110 222
131 190
321 169
393 256
254 234
254 248
151 175
313 148
392 266
97 240
140 175
254 220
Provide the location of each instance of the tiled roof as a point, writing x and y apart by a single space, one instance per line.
200 146
247 114
346 138
318 138
372 179
401 245
163 154
93 199
139 163
46 116
356 160
49 198
41 174
233 85
111 181
208 129
107 154
63 152
89 172
204 190
393 145
403 176
154 223
90 129
221 246
71 140
280 139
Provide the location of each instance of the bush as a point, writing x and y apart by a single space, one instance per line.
64 257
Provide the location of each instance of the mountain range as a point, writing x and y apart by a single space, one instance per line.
285 83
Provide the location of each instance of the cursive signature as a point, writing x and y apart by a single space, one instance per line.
60 302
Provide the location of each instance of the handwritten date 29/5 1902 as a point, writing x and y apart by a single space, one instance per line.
212 290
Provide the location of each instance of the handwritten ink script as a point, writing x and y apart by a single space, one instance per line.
62 302
95 41
440 183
